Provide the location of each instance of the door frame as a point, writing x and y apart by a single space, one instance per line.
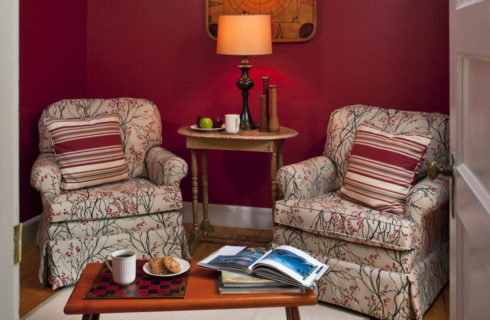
9 160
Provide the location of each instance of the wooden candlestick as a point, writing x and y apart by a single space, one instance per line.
273 120
264 125
264 106
265 91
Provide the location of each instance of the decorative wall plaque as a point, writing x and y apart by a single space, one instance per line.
292 20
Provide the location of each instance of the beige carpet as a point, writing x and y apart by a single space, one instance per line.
52 309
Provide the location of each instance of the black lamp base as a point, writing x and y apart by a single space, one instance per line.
247 125
245 83
246 121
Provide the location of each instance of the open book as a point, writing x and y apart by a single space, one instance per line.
285 263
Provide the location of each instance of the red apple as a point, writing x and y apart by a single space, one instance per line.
217 122
198 121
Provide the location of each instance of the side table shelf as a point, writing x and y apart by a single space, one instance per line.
252 140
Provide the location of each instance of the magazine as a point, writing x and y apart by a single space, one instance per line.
284 263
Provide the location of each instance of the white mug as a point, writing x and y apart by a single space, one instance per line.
123 266
232 123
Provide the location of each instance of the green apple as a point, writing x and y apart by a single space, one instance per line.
206 123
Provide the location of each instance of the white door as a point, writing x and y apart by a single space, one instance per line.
9 159
470 141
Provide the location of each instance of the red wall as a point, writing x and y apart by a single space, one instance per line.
386 53
53 66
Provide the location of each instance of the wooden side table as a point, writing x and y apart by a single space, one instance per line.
251 140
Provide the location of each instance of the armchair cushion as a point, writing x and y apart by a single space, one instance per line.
333 216
88 150
141 126
133 197
387 260
382 168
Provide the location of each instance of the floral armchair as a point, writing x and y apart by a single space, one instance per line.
382 264
142 212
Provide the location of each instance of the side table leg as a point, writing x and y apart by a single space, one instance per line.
194 238
273 178
280 164
292 313
206 226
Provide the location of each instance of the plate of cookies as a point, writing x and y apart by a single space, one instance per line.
165 266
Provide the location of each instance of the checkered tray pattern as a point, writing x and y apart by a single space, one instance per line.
144 286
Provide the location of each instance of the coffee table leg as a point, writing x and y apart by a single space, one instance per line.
95 316
292 313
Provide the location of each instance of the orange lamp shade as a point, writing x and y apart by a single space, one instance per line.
244 35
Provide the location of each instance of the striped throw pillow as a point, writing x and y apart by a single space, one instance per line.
88 150
382 167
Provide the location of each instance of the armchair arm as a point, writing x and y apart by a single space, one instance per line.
165 168
425 197
308 178
427 205
46 176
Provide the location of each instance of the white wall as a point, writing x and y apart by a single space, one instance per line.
9 159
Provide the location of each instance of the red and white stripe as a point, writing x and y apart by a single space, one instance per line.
382 168
88 151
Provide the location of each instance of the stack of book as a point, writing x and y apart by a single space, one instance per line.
283 269
239 283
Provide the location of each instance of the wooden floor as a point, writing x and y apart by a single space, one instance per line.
32 293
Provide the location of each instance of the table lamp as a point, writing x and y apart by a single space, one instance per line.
244 35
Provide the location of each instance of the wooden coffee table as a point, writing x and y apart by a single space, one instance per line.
202 293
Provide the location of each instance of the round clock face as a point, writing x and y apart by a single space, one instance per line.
292 20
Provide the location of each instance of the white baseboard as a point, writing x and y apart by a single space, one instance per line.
219 215
233 216
29 231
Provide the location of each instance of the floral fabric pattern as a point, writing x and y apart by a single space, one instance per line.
74 229
427 205
387 260
429 277
142 213
46 176
379 293
334 216
385 265
307 179
68 258
133 197
70 230
164 168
